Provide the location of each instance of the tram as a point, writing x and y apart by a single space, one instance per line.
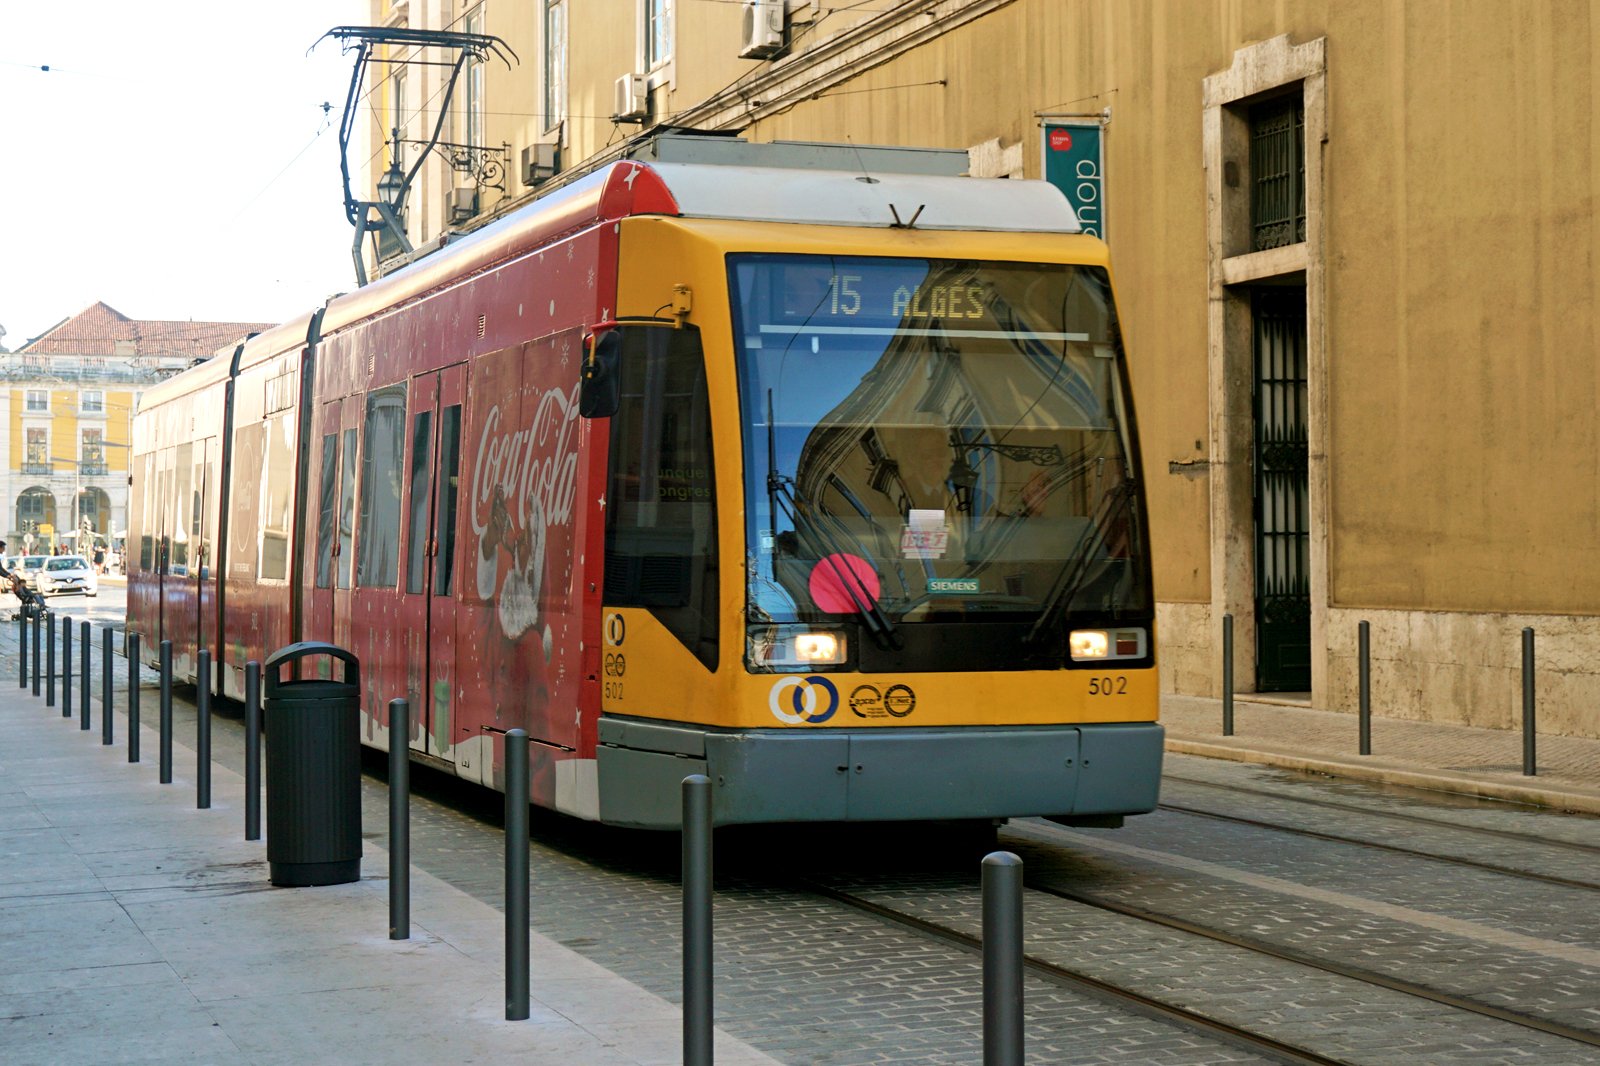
809 468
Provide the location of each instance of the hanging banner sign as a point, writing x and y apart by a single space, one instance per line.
1074 162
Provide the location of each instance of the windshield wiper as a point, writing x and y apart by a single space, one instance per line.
1084 554
781 491
826 548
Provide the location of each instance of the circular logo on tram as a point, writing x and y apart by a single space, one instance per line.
811 699
899 700
615 630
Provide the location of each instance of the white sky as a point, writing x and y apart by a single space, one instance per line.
169 162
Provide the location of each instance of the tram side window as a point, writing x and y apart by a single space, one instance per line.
327 498
277 498
347 510
178 558
445 522
244 505
382 459
208 491
147 511
421 497
661 530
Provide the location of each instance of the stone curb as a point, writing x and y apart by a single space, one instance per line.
1547 796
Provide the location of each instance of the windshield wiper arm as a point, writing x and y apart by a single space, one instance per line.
873 617
1083 556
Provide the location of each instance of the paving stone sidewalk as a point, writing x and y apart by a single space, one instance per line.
1462 759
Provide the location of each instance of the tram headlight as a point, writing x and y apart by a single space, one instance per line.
796 647
1091 644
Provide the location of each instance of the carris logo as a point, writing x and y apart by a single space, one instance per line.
811 699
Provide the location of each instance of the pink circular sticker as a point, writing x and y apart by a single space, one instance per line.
840 582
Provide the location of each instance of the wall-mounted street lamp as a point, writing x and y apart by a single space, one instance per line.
962 478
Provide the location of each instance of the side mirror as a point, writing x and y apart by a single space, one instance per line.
601 390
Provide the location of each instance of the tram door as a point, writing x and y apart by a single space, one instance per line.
433 451
1283 535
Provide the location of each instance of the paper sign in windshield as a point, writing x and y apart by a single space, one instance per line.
925 536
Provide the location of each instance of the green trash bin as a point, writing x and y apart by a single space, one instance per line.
313 730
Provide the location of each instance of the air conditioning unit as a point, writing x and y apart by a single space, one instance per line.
540 163
763 29
461 204
632 99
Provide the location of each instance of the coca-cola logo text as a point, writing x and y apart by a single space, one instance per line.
540 460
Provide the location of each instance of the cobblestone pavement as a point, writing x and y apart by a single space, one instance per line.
801 978
1510 835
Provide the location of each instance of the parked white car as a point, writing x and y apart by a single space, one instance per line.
66 574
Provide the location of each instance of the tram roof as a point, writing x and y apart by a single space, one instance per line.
858 198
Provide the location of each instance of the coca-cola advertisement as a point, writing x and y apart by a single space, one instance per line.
519 648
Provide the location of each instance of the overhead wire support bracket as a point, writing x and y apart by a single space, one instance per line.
363 39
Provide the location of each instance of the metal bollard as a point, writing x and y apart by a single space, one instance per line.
252 750
400 821
105 684
1227 675
132 648
86 636
697 984
1529 761
166 713
50 659
38 624
66 668
22 648
1002 959
1364 668
202 732
516 875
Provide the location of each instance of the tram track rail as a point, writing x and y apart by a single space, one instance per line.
1396 849
1329 966
1402 816
1041 832
1079 981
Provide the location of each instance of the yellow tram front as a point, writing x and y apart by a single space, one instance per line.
875 536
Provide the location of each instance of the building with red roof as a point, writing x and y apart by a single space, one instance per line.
68 397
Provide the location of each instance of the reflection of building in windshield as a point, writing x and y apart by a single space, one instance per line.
953 422
969 411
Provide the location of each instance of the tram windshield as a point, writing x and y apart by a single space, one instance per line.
934 440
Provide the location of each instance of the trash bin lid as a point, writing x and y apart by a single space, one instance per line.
276 687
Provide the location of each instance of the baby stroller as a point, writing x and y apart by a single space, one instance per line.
31 603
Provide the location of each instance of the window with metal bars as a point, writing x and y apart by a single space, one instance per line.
1278 173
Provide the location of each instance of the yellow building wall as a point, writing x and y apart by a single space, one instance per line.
63 429
119 430
1462 297
19 449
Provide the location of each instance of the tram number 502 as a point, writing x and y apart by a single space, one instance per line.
1108 686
